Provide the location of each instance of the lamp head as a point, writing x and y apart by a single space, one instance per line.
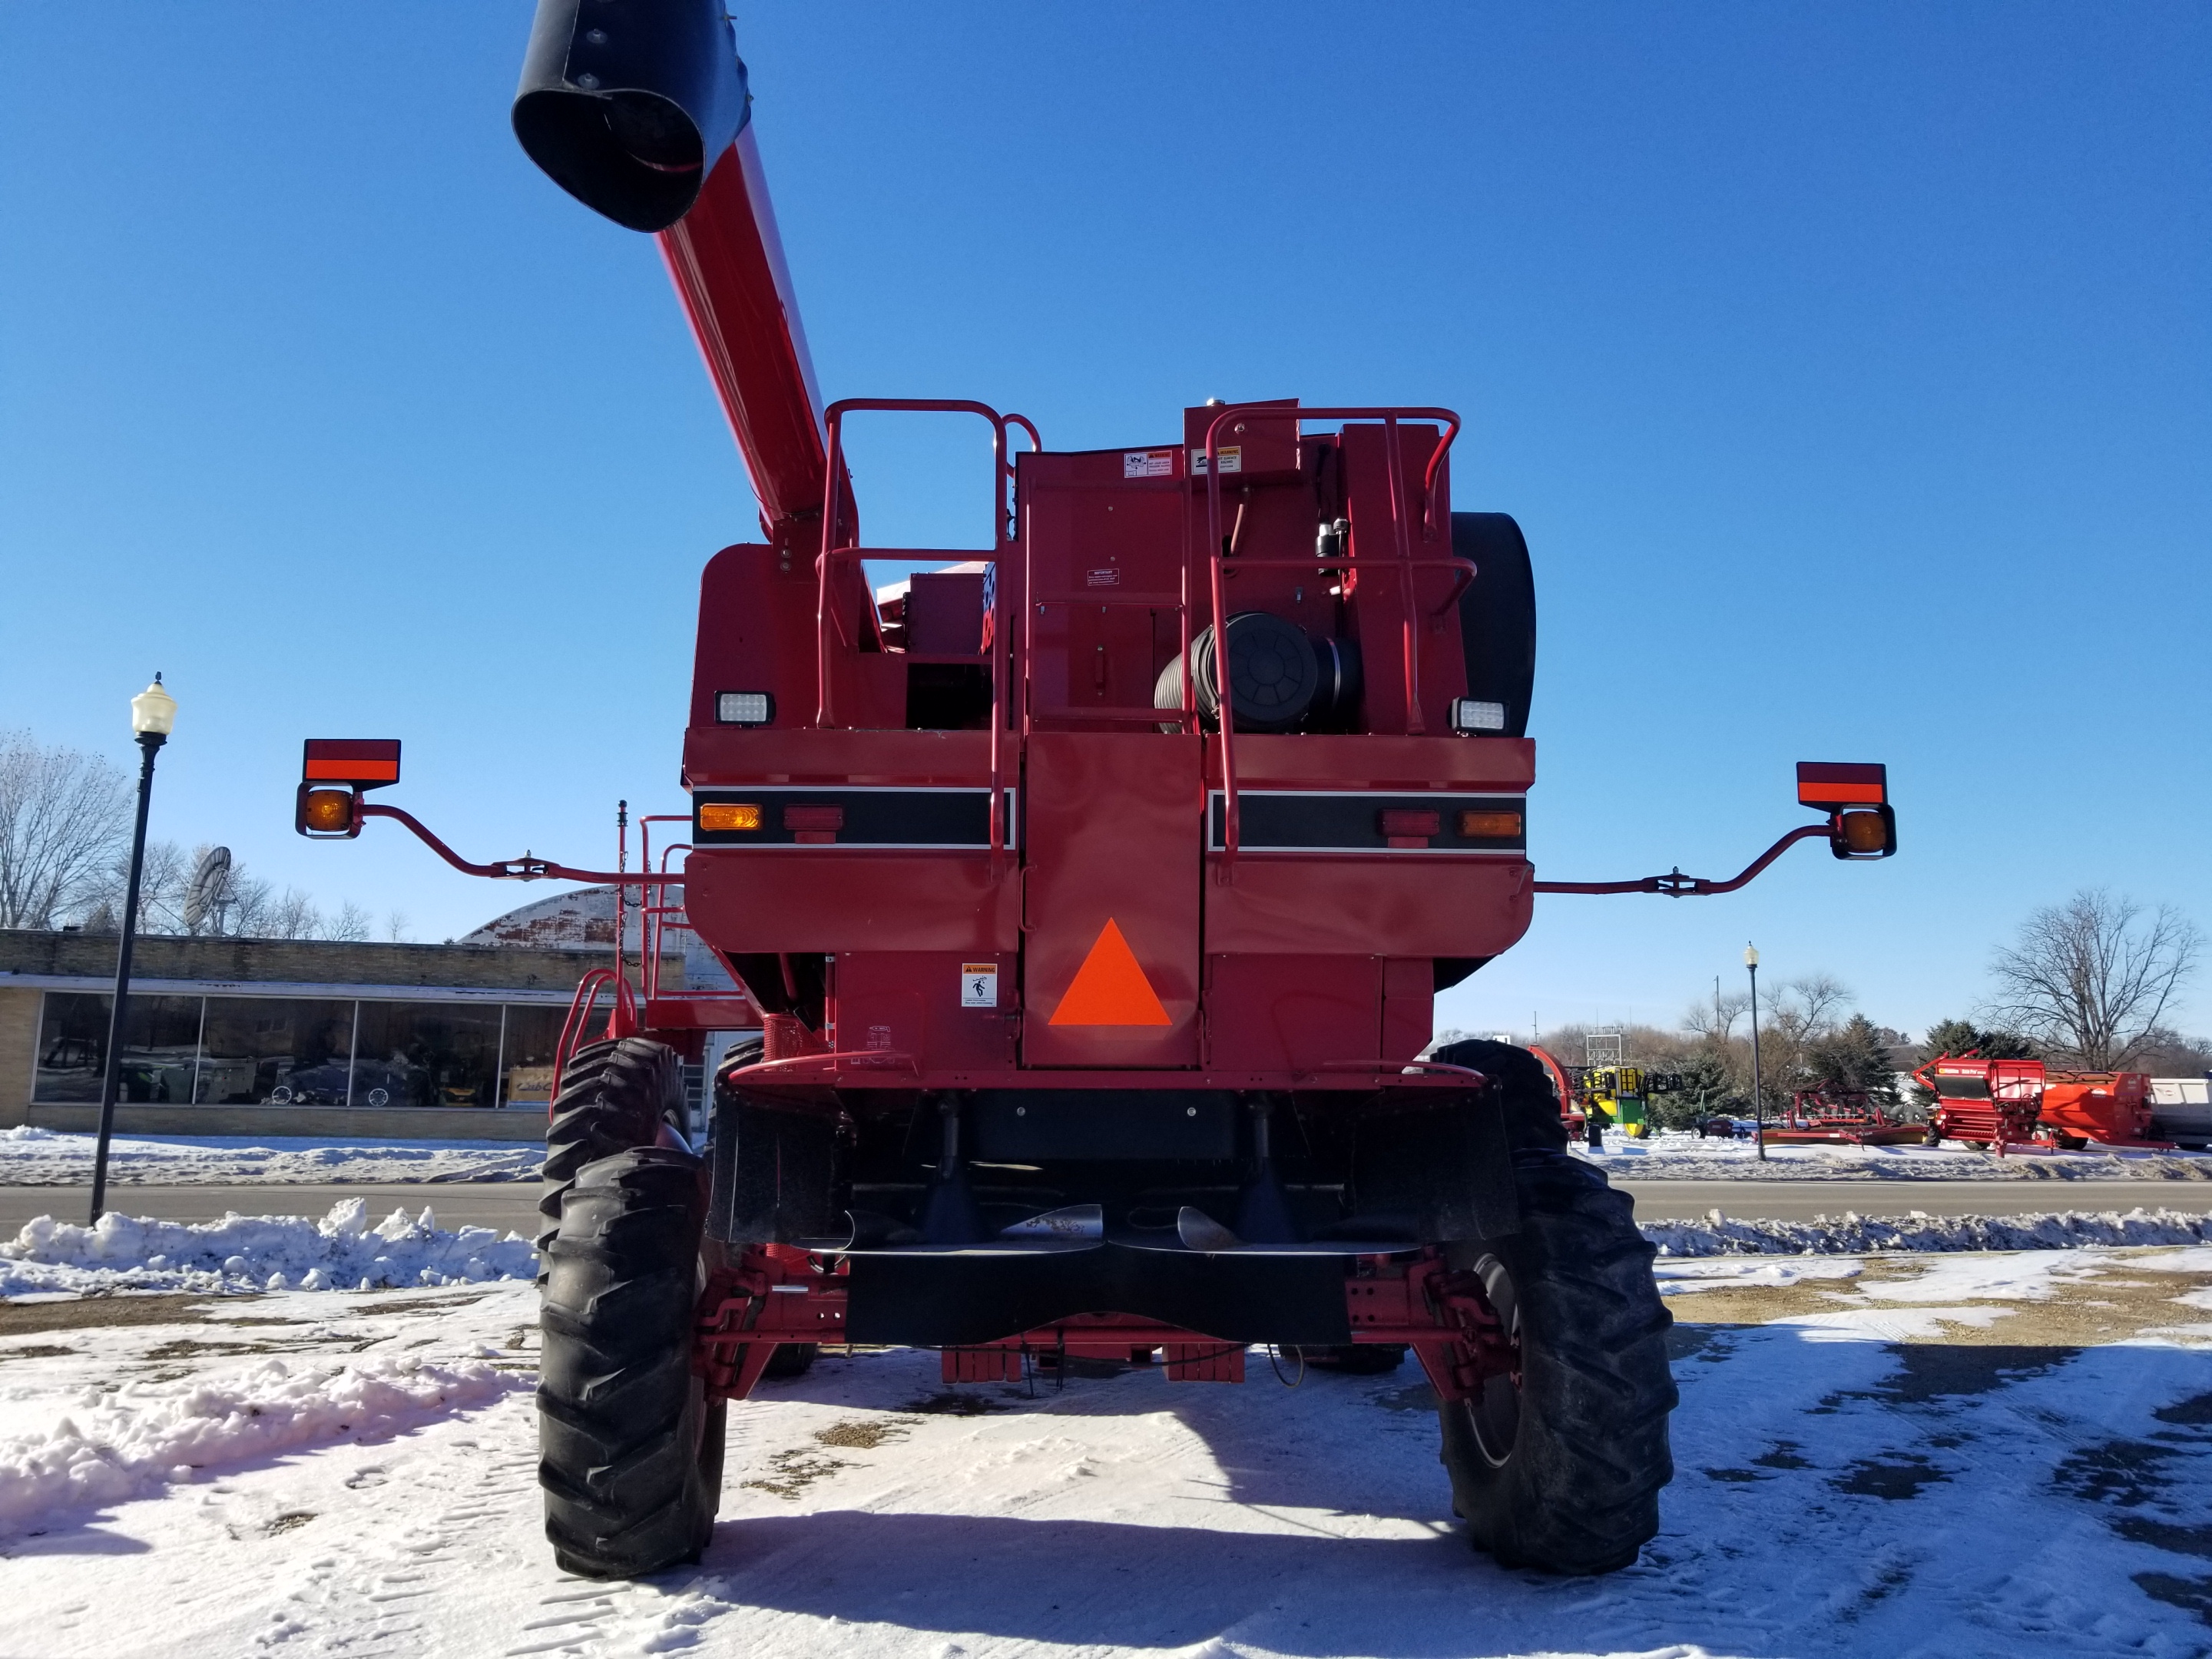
153 711
1750 957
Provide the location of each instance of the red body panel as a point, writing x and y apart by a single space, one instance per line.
1110 835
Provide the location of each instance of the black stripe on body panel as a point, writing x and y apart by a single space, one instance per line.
883 817
1315 821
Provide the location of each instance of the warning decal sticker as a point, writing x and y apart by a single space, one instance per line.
979 985
1232 460
1148 463
1110 988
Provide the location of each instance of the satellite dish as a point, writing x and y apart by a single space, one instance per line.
210 892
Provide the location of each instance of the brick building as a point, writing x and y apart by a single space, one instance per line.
291 1036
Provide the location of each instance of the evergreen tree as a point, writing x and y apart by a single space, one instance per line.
1854 1057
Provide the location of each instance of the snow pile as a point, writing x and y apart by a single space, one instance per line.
1678 1154
32 1156
244 1253
1855 1235
131 1442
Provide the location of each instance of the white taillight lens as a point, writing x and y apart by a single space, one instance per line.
742 708
1472 715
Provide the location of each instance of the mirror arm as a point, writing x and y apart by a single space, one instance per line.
1675 884
525 868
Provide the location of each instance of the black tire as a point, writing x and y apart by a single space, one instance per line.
792 1359
1560 1469
1532 1122
1497 615
612 1095
630 1454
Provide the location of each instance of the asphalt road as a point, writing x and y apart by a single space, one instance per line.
511 1206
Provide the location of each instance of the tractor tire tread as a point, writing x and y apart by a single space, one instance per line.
629 1475
1579 1490
612 1095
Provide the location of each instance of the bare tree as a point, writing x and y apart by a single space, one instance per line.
63 815
1716 1020
395 927
296 915
2091 978
1815 1001
352 923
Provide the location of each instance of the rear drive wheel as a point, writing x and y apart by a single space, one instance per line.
630 1453
1559 1468
611 1097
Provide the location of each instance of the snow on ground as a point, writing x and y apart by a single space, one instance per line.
1724 1235
1678 1154
1959 1492
342 1251
41 1157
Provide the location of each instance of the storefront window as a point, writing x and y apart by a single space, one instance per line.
531 1036
426 1053
275 1051
160 1036
298 1051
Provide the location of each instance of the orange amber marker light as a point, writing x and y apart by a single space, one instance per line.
1489 826
729 815
328 812
1865 832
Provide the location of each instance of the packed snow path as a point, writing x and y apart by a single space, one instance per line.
1953 1456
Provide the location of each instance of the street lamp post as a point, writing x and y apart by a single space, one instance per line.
153 716
1758 1093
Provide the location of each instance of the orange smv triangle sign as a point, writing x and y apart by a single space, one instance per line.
1109 988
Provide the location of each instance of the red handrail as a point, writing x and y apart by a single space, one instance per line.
1001 543
1225 720
621 1021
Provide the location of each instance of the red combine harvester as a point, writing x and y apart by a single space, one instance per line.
1091 1017
2017 1102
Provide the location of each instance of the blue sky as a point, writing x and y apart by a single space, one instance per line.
1847 366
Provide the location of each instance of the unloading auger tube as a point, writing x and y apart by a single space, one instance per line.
1090 894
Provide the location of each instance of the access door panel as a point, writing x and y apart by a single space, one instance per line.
1109 945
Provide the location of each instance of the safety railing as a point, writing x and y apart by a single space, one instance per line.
1401 531
835 548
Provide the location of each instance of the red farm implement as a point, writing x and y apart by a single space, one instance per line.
1094 898
1999 1103
1839 1117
